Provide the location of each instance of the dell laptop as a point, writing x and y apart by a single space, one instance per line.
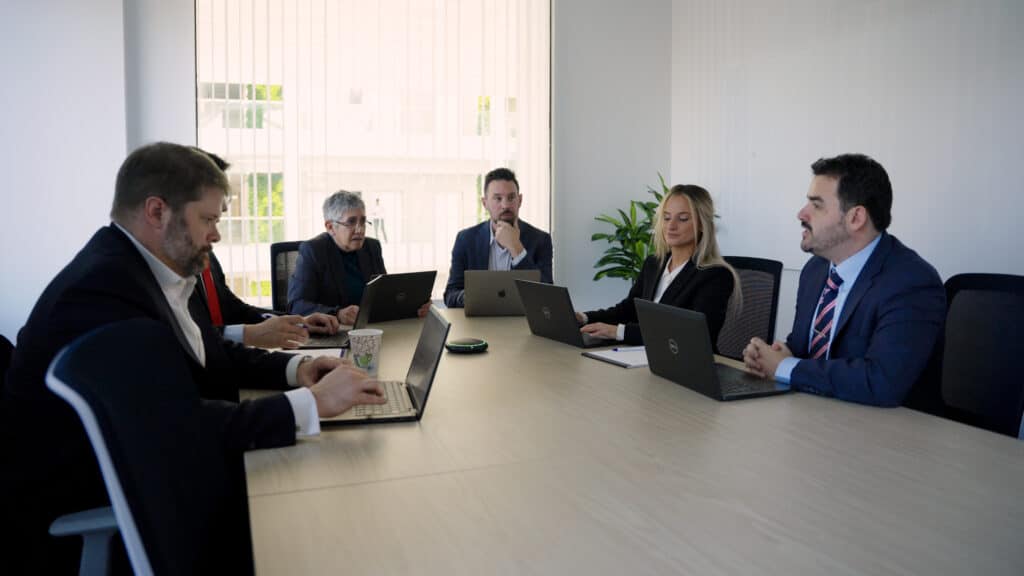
408 399
550 314
397 296
494 293
679 349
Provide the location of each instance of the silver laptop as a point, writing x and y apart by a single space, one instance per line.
494 292
340 338
408 399
679 348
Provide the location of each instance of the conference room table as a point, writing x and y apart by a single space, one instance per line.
532 459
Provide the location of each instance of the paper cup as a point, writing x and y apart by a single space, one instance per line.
364 346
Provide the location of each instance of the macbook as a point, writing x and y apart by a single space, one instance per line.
679 349
550 314
408 399
494 293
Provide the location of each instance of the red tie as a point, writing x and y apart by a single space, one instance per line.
211 298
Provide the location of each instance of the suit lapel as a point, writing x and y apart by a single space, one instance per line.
154 293
679 283
365 263
864 282
483 246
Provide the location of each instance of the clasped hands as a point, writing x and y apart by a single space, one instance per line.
762 358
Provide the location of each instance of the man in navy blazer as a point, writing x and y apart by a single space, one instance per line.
167 202
503 242
869 310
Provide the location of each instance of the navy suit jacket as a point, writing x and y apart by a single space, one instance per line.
889 325
472 251
232 309
318 282
704 290
41 437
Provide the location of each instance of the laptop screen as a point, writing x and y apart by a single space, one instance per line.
427 356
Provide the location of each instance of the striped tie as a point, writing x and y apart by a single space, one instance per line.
823 322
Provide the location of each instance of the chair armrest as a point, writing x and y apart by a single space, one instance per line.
85 522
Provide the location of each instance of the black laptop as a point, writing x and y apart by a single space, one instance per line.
494 293
397 296
340 338
408 399
550 314
679 349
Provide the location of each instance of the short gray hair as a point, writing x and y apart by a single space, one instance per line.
340 202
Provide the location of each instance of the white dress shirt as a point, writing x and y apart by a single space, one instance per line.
177 291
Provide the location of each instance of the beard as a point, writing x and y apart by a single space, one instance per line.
825 240
189 258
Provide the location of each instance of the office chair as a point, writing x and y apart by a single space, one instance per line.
177 494
283 256
980 382
759 282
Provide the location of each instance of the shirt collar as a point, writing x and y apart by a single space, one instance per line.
168 279
850 268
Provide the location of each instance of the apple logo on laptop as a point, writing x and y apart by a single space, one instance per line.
501 293
673 347
546 312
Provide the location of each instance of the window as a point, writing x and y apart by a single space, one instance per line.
409 103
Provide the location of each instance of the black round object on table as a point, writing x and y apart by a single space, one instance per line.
466 345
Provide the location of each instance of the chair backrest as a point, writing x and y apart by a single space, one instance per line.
6 351
759 280
172 483
981 383
283 256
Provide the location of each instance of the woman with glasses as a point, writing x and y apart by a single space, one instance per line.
686 270
333 268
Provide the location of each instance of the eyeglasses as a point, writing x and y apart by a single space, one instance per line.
354 222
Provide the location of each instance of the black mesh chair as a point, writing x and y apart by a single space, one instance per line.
759 280
980 381
178 495
283 256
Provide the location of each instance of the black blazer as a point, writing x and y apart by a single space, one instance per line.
318 282
232 309
472 251
701 290
40 435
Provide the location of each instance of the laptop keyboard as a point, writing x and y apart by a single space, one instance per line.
398 402
339 340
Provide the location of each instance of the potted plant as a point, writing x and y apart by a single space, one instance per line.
631 239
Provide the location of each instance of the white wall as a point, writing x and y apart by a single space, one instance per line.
610 124
63 139
932 89
160 71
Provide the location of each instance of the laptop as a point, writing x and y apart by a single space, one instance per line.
408 399
397 296
340 338
679 349
494 293
550 314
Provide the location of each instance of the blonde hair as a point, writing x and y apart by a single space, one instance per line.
706 253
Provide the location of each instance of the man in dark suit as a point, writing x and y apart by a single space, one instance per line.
246 324
869 310
503 242
168 200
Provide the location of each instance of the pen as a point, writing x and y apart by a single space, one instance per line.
628 349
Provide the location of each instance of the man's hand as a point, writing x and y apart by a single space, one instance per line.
320 323
422 311
507 236
344 387
348 314
581 319
601 330
310 372
762 359
276 332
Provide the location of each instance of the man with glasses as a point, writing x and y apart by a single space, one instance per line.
503 242
333 268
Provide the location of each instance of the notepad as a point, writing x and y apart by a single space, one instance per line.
633 357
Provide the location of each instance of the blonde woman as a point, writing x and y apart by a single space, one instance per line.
687 270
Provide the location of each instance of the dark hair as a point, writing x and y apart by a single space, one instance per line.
500 174
177 174
220 162
862 182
